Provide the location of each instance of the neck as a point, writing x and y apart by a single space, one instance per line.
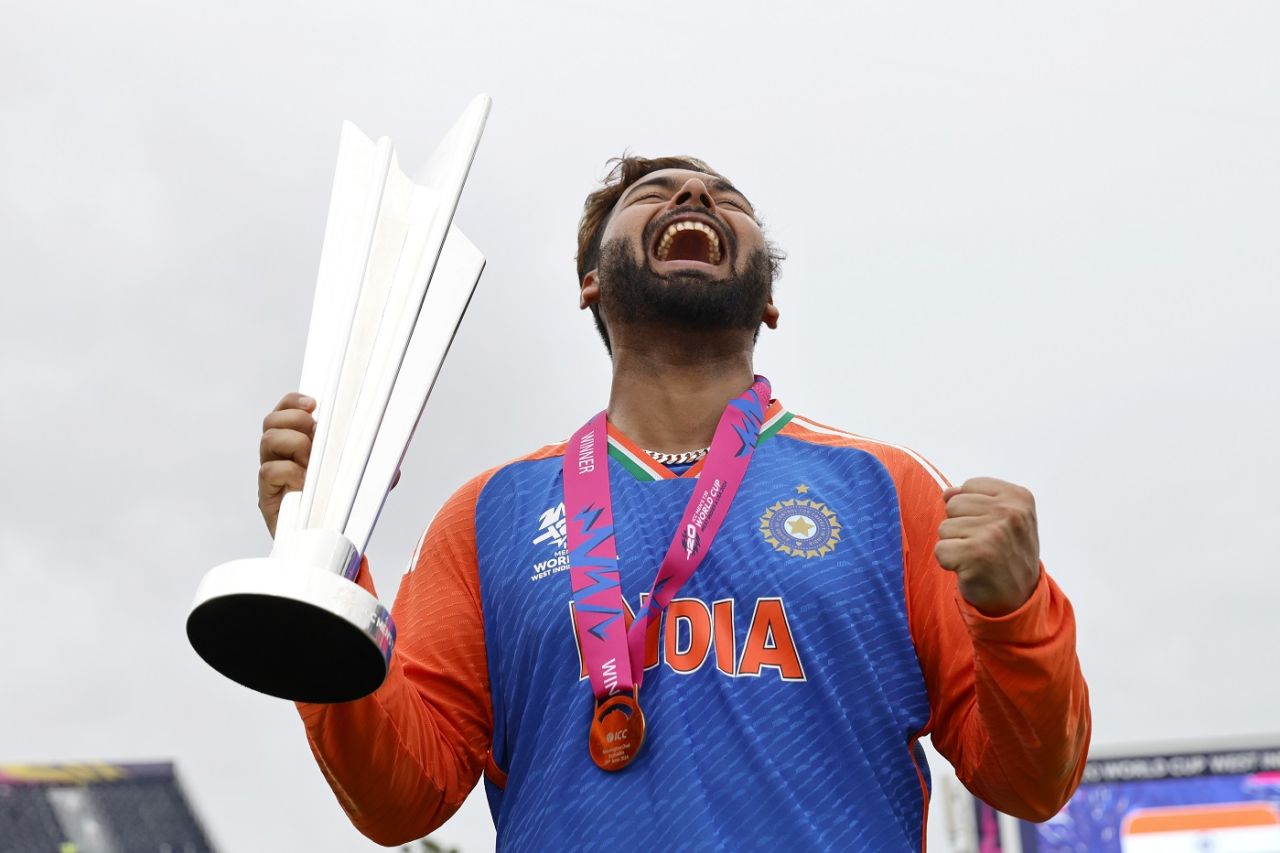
669 397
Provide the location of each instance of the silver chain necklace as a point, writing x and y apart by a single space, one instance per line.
686 457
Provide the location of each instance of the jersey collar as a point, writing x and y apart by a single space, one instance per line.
643 467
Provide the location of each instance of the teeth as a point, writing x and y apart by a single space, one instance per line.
664 245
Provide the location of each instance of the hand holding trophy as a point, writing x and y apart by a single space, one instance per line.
395 279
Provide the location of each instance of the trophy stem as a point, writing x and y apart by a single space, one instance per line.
288 517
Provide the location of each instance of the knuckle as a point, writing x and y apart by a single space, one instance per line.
948 554
1016 520
981 548
275 444
1019 522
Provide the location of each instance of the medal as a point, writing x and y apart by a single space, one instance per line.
617 731
614 655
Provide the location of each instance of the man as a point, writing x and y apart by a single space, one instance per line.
846 599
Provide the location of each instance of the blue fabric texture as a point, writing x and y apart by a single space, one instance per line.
744 751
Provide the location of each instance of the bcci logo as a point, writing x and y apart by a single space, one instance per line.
800 527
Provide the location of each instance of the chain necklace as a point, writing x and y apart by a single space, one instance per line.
685 458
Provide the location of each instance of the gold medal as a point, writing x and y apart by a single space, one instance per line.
617 731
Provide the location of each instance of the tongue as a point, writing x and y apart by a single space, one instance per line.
690 245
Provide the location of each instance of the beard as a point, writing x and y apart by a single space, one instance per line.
632 294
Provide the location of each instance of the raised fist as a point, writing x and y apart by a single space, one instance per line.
989 540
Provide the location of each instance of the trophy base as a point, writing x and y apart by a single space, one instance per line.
291 631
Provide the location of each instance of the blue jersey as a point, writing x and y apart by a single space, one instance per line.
785 687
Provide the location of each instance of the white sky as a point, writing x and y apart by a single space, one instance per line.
1031 242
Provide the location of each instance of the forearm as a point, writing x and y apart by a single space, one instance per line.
397 765
1024 735
402 760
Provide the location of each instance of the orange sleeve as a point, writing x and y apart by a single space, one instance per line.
1009 707
402 760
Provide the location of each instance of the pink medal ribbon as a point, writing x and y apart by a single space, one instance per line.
614 656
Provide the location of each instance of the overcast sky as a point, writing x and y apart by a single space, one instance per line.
1036 243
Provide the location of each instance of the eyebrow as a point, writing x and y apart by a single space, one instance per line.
670 183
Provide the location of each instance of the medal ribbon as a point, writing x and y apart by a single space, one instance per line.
614 656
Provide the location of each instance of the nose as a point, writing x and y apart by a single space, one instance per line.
694 191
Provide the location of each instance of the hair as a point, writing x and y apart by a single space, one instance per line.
623 172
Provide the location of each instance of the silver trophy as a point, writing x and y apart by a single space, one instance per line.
395 278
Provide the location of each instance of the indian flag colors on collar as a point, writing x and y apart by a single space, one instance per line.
643 467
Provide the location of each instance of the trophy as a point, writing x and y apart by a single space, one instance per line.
395 279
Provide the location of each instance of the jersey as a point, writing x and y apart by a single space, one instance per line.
785 687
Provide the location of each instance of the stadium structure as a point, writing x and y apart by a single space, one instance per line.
96 808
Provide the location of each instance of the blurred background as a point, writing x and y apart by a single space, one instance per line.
1034 242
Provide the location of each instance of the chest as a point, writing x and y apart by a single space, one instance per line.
809 555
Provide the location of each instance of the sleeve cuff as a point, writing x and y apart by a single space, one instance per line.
1020 625
364 578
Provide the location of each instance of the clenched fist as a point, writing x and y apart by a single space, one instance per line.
989 540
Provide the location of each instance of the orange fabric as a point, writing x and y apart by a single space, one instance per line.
1009 707
1200 818
402 760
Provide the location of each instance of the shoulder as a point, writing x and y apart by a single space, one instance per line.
543 462
901 461
456 518
545 458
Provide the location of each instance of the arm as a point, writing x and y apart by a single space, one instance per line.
402 760
996 640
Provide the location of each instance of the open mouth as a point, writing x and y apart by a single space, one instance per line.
689 240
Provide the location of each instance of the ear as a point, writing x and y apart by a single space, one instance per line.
589 290
771 313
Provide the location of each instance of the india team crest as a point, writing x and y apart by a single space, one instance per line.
801 527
